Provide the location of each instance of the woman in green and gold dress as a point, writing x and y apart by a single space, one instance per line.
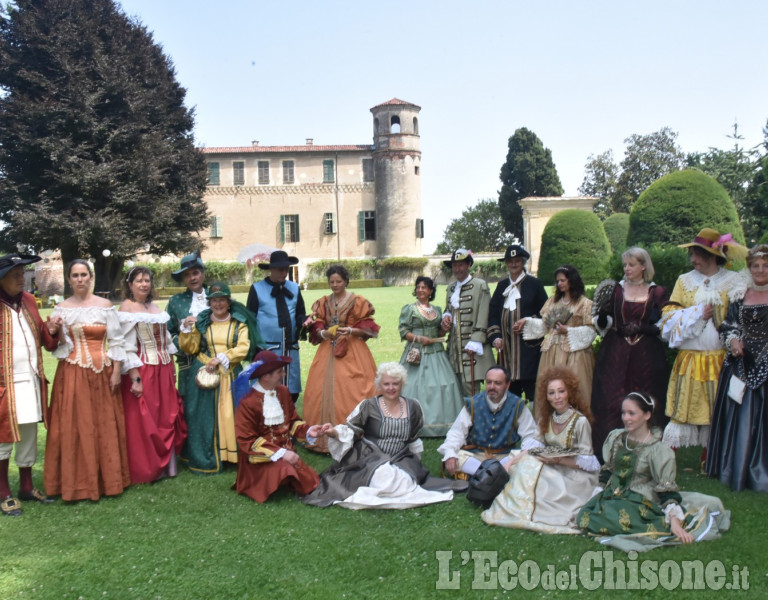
221 337
550 482
641 506
432 381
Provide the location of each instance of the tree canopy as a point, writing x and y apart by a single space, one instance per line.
646 159
528 171
676 207
479 228
96 145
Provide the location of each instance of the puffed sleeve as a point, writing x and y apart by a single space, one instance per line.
115 337
405 324
580 337
608 455
661 462
238 353
65 341
581 441
415 445
190 342
132 360
361 317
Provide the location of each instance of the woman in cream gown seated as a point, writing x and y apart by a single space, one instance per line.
550 482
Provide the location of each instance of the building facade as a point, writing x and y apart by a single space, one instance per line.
318 201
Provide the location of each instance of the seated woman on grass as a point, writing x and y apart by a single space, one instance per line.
377 453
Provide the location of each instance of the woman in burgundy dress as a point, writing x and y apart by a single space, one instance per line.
632 356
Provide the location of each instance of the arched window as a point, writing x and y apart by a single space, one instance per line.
376 126
415 126
394 124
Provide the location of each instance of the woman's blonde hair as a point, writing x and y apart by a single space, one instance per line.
641 255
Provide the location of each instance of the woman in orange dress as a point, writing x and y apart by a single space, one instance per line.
343 369
85 453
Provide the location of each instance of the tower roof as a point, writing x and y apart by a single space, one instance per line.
396 102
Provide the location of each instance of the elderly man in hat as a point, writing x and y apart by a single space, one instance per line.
23 387
690 322
518 296
277 303
465 318
265 424
184 308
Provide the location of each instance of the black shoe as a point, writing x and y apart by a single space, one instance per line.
10 507
35 495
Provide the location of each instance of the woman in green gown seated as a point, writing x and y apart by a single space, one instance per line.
641 506
432 381
552 480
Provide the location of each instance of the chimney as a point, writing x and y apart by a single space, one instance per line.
310 141
254 142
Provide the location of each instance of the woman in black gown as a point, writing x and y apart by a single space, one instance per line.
738 438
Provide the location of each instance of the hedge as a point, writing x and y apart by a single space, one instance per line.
574 237
616 228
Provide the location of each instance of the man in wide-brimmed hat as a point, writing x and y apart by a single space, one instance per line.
185 307
690 322
277 303
516 297
23 387
266 422
465 318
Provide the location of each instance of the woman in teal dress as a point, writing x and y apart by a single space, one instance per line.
432 381
641 506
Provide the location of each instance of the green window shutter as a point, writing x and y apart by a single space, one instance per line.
282 229
297 227
361 225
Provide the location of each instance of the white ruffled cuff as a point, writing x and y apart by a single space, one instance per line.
587 462
132 361
530 442
673 510
184 328
533 329
581 337
340 445
602 331
416 446
278 455
475 347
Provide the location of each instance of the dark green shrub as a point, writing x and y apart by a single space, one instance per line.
676 207
616 228
574 237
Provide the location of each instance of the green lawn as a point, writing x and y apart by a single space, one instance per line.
192 537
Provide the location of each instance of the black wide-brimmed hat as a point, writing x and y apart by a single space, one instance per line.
9 261
267 361
190 261
515 251
278 260
459 255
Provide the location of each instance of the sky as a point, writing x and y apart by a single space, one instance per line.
582 75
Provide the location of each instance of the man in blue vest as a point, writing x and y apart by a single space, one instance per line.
279 308
492 422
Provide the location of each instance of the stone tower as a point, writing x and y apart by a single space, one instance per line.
397 162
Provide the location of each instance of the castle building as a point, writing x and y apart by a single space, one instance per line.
321 201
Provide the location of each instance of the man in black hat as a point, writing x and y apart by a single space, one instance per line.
266 422
23 387
185 307
279 307
518 296
465 318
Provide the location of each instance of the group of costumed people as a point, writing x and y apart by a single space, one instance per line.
531 469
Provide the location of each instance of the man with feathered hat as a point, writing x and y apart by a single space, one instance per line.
690 322
266 423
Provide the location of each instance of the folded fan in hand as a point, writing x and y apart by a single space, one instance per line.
602 298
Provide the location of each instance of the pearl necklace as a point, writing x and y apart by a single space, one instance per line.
426 309
389 414
758 288
563 417
215 319
640 443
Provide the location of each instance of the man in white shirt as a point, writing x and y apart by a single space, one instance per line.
491 422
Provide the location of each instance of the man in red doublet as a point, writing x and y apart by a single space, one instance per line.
266 422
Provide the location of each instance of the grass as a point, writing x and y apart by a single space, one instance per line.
192 537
